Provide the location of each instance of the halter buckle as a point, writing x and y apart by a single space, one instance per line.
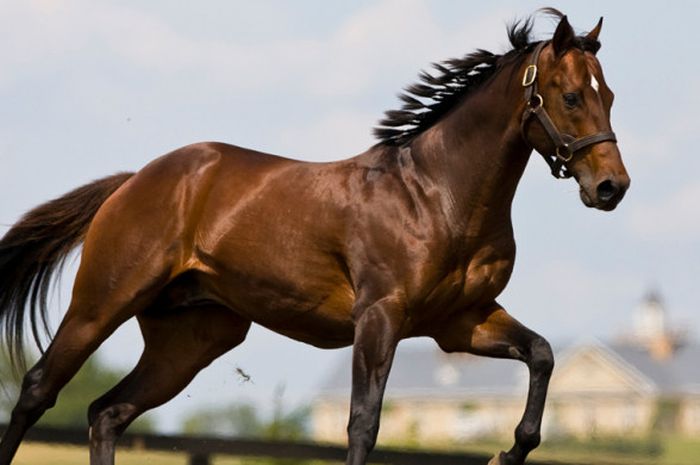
530 75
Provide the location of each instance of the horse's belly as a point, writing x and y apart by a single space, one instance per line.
326 326
317 312
317 329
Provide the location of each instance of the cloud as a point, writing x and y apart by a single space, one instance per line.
661 159
376 44
347 61
646 151
676 216
578 298
332 137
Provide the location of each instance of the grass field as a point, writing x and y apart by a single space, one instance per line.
668 451
34 454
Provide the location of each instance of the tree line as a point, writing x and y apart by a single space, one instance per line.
95 378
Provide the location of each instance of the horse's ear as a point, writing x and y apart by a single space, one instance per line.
593 35
564 37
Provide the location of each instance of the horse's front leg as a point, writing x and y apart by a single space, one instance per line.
377 328
492 332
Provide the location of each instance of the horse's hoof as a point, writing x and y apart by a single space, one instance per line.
498 459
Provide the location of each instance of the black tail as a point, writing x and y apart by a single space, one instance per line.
34 249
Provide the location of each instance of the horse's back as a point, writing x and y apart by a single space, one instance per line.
166 194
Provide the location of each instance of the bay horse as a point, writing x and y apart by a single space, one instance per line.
411 238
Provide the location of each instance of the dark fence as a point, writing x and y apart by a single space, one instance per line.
200 449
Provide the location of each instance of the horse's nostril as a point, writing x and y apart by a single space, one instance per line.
607 190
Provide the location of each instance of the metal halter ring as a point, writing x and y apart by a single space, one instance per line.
536 102
569 154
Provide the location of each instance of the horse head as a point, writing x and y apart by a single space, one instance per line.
567 115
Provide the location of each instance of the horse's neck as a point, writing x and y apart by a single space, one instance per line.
477 156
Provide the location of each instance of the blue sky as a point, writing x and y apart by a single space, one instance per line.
92 87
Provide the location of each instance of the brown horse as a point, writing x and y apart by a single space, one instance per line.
411 238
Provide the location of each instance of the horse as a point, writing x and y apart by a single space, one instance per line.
410 238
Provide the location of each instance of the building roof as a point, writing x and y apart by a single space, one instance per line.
680 373
428 372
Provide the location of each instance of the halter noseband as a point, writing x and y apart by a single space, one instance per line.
566 144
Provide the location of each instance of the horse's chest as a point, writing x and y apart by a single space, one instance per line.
477 281
468 285
486 277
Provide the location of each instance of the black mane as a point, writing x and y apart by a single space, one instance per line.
454 79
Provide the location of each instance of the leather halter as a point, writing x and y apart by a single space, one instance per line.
566 144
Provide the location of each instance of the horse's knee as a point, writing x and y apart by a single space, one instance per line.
108 423
541 356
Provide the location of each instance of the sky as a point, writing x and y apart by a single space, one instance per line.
91 87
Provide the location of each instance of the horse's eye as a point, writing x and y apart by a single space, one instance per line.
570 99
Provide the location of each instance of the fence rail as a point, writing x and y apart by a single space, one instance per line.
200 449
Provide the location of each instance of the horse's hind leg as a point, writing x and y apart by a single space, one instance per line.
494 333
76 339
109 289
178 344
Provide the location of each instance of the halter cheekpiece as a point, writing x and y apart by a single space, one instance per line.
566 145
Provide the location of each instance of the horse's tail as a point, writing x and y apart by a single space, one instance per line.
34 249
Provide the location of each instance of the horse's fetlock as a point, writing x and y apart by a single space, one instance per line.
527 435
362 431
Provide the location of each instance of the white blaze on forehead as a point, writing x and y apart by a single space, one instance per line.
594 83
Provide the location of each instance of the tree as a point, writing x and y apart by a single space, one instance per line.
234 420
244 420
9 387
92 380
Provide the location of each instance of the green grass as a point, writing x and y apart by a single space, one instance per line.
681 451
660 450
666 450
34 453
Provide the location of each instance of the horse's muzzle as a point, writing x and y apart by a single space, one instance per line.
608 193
